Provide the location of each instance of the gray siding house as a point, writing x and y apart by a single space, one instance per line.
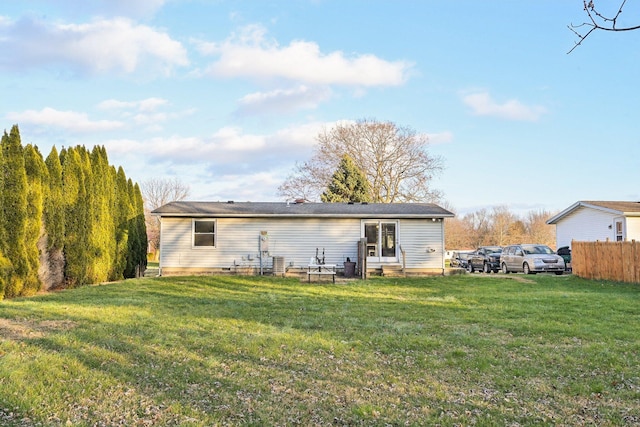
590 221
218 237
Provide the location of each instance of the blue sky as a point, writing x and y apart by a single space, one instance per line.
229 95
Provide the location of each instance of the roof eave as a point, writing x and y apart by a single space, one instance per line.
293 215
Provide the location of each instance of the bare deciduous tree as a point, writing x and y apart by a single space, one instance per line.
394 159
538 229
157 192
498 227
597 20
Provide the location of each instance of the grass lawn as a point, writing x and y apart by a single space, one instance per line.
460 350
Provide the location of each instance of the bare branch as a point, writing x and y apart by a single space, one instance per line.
598 21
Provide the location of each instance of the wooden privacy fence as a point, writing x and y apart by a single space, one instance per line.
616 261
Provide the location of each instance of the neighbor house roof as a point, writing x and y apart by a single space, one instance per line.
613 207
283 209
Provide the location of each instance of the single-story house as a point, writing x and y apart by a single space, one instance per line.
218 237
591 221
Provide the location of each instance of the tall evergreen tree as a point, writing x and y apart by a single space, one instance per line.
102 237
4 262
14 205
141 229
121 213
133 242
348 184
76 227
52 268
37 177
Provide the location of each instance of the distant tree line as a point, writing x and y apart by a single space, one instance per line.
65 221
498 226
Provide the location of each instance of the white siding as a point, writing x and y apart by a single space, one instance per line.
585 224
295 239
417 238
237 242
633 229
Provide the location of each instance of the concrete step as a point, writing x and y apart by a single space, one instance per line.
151 272
392 270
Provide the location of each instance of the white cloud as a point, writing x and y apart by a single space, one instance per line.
283 100
144 112
249 54
67 120
228 149
149 104
102 46
482 104
440 137
227 165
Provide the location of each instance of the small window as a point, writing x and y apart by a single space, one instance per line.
619 233
204 233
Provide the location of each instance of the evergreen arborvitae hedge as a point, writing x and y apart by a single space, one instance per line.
65 221
37 177
14 204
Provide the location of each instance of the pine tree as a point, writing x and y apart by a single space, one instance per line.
14 205
37 177
348 184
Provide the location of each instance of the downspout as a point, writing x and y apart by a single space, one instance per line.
442 245
160 248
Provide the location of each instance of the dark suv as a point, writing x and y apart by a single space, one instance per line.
485 258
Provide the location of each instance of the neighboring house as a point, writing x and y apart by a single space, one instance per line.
590 221
216 237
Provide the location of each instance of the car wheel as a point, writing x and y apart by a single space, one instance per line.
470 268
558 273
486 268
505 270
526 269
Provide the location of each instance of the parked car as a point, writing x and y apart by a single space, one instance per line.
485 258
531 259
565 253
459 259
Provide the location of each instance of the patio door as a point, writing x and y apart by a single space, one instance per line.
382 241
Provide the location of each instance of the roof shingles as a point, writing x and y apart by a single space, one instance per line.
279 209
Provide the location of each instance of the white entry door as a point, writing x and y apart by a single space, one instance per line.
382 240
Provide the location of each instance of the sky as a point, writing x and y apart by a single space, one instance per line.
228 96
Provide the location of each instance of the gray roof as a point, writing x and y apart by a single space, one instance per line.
621 208
311 210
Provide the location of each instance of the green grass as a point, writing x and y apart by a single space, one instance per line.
460 350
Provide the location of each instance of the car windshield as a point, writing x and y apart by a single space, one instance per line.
537 249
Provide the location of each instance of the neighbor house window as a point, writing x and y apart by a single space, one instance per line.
619 233
204 233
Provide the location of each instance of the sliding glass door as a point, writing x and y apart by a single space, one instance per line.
382 240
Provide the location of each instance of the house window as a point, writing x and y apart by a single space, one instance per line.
619 234
204 233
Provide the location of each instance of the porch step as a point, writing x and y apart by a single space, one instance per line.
392 270
151 272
